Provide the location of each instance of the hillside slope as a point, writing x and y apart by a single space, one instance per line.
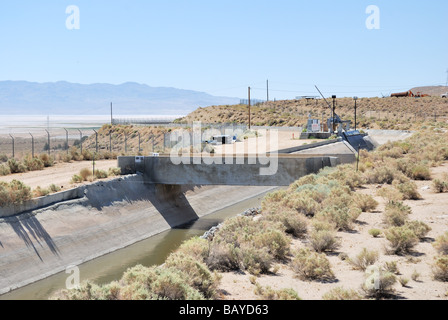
385 113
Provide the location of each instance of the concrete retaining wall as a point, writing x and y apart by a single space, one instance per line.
281 170
41 202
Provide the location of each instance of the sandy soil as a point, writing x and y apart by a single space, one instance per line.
433 210
60 174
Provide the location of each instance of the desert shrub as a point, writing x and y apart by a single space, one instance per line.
86 291
114 172
391 266
77 179
198 275
46 159
85 174
40 192
4 170
381 175
303 203
420 172
364 259
390 193
323 240
101 174
75 154
195 247
365 202
54 188
340 293
439 185
89 155
16 166
401 239
409 190
274 240
396 214
440 268
33 164
223 257
378 283
375 232
66 157
19 192
441 244
3 158
269 294
341 217
403 281
419 228
309 265
294 223
254 259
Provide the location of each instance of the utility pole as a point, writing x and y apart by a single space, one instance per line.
66 139
446 85
267 90
111 116
249 107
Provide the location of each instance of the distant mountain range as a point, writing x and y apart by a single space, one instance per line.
64 98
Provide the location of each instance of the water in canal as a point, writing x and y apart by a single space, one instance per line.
152 251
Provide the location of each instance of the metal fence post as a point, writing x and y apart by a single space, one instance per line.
48 134
66 139
13 149
110 140
96 140
32 145
80 139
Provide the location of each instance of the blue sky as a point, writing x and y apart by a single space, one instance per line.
222 47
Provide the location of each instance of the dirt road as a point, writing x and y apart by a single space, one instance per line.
60 174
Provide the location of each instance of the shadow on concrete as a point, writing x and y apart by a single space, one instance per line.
30 230
172 203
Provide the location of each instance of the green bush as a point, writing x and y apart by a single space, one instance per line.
375 232
4 170
47 160
401 239
441 244
365 202
16 166
77 179
323 240
33 164
440 268
340 293
378 283
396 214
198 275
309 265
420 172
419 228
40 192
364 259
101 174
269 294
